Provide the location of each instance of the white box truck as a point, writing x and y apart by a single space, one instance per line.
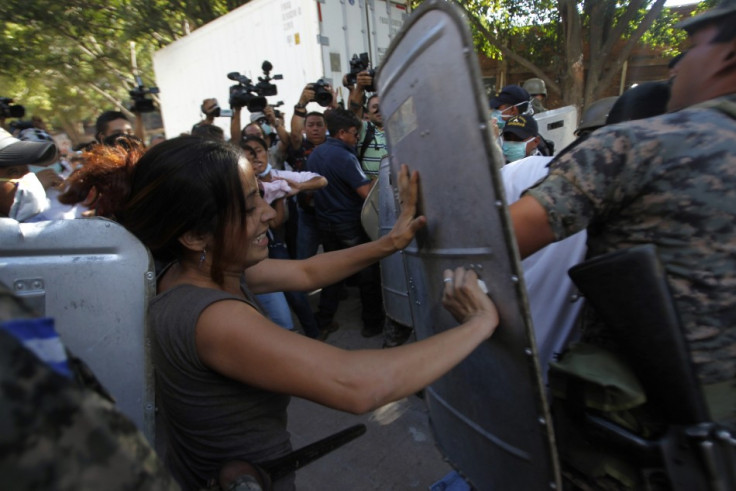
305 40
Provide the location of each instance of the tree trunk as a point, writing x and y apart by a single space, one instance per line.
573 78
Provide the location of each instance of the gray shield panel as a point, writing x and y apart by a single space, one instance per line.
94 278
489 413
396 300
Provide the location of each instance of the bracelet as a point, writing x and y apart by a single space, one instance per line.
300 106
301 114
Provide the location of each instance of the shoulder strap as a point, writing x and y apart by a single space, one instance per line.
369 134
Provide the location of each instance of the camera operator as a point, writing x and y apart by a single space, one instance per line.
308 131
211 109
372 139
371 148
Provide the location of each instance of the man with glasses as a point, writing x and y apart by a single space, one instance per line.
338 207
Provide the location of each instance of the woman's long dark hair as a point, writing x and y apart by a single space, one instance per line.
180 185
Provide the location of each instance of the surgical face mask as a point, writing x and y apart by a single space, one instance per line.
267 129
265 172
515 150
30 198
56 167
498 116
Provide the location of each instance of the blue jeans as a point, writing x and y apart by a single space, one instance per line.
341 236
297 300
277 308
307 235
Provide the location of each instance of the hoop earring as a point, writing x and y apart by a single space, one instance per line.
202 257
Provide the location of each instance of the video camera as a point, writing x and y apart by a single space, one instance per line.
322 93
360 63
8 110
245 94
141 103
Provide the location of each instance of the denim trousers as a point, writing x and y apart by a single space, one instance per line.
276 308
298 301
307 234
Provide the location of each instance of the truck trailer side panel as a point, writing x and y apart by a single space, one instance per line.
304 41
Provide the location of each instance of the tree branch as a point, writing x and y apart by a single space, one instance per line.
618 31
112 99
606 76
506 52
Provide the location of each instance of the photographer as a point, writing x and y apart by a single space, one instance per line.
372 139
300 117
308 131
211 109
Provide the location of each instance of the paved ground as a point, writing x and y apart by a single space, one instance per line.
396 453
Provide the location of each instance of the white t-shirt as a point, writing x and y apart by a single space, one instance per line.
549 288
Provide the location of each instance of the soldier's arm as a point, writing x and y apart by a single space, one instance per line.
531 226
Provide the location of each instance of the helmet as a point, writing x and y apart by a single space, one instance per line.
595 115
535 86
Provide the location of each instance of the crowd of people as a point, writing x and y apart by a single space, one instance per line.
235 228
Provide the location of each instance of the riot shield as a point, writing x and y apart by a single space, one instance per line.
94 278
396 300
489 414
558 125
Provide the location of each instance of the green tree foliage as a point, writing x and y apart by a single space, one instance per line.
68 61
577 47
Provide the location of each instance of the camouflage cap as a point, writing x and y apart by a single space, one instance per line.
725 7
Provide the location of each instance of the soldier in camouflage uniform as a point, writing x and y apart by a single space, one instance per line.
670 181
538 90
56 434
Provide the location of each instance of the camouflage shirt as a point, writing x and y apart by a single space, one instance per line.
670 181
55 435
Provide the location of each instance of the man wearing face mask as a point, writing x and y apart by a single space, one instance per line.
22 195
273 132
521 139
511 101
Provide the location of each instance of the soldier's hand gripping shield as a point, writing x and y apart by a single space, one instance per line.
489 414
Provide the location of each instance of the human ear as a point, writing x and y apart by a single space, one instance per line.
195 241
